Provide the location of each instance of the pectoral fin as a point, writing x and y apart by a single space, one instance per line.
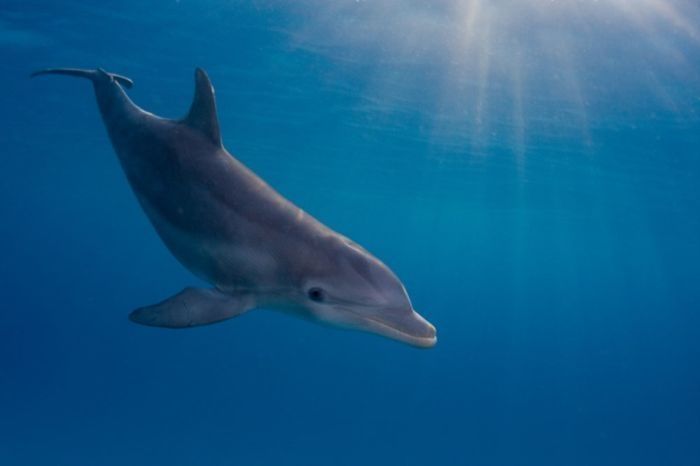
192 307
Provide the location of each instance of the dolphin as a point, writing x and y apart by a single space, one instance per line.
231 229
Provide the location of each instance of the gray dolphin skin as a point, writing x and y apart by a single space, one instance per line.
227 226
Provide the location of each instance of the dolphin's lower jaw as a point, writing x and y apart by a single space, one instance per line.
413 329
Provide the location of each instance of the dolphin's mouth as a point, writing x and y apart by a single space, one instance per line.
425 335
396 334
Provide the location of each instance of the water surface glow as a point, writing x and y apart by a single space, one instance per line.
518 57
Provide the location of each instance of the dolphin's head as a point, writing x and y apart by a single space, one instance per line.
353 289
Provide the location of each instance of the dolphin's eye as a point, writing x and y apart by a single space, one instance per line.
316 294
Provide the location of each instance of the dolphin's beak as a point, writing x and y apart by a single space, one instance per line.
410 328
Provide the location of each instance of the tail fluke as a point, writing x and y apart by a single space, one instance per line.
88 74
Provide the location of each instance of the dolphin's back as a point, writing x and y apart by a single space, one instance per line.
208 207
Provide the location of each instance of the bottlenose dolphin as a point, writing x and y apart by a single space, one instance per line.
230 228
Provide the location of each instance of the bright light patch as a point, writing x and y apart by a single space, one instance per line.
497 72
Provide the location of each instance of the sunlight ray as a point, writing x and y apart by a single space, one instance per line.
673 15
480 124
518 111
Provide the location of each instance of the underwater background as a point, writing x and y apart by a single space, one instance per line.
531 171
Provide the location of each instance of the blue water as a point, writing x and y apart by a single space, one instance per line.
531 171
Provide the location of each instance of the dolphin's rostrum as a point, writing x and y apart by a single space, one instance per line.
231 229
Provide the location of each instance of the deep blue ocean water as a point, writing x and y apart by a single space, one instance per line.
531 171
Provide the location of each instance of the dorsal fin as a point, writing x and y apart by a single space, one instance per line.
202 115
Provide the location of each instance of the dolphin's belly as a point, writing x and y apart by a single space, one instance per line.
226 259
